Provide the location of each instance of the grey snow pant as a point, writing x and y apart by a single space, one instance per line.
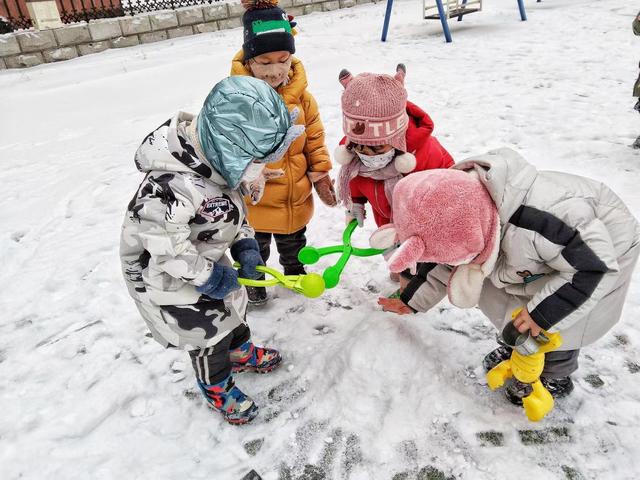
560 364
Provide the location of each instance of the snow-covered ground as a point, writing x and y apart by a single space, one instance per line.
84 393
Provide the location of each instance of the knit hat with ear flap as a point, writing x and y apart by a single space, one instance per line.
374 112
444 216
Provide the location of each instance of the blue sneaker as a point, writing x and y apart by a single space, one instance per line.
224 397
249 357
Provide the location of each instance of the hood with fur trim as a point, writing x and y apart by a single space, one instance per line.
506 175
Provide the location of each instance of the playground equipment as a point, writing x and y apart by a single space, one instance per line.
443 10
331 276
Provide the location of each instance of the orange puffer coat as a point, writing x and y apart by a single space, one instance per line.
287 204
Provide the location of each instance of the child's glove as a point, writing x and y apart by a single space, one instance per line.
247 253
256 188
326 192
358 213
222 281
394 305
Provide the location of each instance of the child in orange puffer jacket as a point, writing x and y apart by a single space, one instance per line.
280 203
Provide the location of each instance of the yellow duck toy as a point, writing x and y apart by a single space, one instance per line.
526 365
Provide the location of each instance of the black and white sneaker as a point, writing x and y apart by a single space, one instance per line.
257 296
558 388
636 144
493 358
516 390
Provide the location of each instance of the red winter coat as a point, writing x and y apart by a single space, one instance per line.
424 146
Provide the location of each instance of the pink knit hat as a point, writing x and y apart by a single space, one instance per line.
374 108
444 216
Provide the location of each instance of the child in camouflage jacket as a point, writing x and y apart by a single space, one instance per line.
186 214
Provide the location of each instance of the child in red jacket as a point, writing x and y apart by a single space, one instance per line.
387 138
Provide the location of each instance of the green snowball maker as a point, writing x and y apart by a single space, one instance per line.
310 285
331 276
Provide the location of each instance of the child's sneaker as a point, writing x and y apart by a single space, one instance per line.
257 296
248 357
636 144
495 357
226 398
558 388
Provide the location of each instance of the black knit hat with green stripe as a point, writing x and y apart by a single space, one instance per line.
267 28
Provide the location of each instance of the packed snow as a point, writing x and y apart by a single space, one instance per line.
84 391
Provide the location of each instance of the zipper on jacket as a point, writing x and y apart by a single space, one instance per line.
377 205
290 196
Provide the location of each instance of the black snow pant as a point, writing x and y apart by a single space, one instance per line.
288 247
212 365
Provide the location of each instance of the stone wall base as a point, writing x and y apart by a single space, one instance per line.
33 47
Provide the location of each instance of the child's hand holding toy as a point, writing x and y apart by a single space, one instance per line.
357 213
524 322
247 253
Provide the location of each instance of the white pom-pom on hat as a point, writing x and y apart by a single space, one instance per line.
405 163
342 155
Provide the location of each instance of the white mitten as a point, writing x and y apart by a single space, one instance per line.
256 188
357 213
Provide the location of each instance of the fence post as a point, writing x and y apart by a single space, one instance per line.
44 14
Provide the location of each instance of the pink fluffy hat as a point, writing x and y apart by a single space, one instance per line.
444 216
374 112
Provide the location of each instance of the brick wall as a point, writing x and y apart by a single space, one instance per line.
32 47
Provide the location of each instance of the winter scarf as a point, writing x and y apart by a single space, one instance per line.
355 168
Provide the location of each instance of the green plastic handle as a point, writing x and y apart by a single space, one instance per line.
310 285
331 276
348 232
358 252
311 255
